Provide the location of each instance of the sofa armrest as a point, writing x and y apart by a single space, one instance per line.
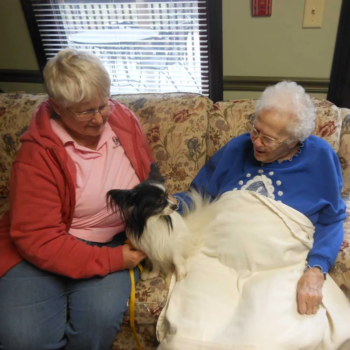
344 149
341 269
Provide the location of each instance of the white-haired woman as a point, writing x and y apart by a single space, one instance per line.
283 161
64 279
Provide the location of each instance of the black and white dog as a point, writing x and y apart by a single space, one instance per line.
153 225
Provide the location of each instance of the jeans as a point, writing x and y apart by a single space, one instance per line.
41 310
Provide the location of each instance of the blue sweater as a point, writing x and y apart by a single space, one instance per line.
310 183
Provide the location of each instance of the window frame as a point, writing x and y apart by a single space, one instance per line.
215 44
339 85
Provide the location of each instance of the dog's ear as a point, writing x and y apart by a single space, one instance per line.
155 174
120 198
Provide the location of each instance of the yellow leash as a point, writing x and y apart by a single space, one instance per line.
132 303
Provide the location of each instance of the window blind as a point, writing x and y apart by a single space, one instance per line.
146 46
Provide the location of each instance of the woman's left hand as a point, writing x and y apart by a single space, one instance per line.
309 291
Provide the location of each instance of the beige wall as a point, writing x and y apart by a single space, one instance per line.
277 46
270 46
17 50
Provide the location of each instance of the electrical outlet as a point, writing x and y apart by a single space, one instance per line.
313 13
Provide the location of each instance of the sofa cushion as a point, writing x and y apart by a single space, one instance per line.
125 339
150 298
16 111
232 118
176 128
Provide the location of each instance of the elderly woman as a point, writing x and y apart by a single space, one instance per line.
64 279
280 159
273 296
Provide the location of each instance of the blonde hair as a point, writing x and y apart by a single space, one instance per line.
289 97
74 76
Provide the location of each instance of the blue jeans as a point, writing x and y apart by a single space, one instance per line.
41 310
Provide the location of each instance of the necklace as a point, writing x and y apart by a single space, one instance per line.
295 154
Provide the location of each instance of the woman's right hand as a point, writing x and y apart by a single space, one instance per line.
132 257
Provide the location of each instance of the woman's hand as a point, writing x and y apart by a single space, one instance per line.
132 257
309 291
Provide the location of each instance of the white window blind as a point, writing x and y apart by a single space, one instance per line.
146 46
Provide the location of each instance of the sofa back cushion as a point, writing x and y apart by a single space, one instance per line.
176 128
344 149
232 118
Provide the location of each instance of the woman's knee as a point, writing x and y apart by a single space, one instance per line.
32 309
96 311
21 330
12 338
95 332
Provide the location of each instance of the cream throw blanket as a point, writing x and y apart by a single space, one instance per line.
240 291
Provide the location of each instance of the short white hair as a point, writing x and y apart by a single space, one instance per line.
289 97
74 76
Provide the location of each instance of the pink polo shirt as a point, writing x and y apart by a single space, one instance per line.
98 171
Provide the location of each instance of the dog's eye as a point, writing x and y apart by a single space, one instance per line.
160 201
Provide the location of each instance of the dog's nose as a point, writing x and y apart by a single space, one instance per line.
174 204
174 207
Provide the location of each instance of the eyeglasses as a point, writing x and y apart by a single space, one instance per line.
90 114
267 141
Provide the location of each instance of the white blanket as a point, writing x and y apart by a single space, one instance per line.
240 291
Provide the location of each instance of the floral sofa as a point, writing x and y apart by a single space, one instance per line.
184 130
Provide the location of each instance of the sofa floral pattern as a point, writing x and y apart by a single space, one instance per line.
344 149
16 111
183 130
176 128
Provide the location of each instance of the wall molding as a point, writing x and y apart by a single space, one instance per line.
21 76
247 83
231 83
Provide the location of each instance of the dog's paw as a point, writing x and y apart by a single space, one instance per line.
181 273
180 276
180 267
148 275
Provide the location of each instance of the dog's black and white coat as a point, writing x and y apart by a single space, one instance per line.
153 225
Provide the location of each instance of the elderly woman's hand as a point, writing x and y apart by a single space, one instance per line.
309 291
132 257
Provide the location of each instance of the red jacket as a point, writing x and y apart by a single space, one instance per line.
42 200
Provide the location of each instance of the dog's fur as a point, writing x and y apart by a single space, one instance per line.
153 226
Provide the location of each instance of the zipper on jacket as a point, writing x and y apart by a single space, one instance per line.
138 157
68 179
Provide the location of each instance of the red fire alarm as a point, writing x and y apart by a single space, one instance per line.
261 8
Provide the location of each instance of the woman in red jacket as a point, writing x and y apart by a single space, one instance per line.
64 280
